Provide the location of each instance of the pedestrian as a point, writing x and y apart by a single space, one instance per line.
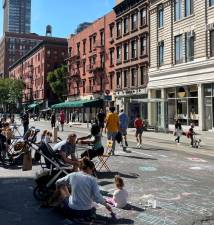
120 196
123 125
73 117
53 119
138 124
25 121
190 134
95 141
101 120
112 126
178 131
85 191
62 119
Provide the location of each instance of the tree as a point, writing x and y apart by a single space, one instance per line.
57 81
10 91
82 26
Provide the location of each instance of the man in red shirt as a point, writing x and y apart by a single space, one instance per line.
138 124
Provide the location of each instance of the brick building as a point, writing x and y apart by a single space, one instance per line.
182 63
34 66
132 56
13 46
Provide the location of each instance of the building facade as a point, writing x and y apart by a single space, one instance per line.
33 69
181 73
13 46
132 57
91 61
17 16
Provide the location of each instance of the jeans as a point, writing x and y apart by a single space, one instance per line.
111 136
26 127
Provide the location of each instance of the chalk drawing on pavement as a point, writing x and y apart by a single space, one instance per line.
148 168
196 168
197 160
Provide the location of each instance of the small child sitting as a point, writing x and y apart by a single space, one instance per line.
46 136
120 195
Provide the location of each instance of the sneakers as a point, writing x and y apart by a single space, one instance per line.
138 145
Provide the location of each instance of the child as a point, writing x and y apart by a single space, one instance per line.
97 147
191 133
120 195
138 124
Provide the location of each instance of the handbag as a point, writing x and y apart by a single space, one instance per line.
27 161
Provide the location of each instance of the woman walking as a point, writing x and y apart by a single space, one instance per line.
178 131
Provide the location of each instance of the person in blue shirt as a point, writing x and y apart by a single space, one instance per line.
123 125
85 191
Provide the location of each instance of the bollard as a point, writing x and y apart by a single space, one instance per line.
55 130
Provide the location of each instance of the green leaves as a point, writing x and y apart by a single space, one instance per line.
10 90
57 81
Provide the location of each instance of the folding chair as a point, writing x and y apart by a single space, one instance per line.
104 158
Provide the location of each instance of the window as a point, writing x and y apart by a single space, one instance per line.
160 16
126 25
84 43
118 79
70 51
125 73
161 53
142 75
83 65
78 48
90 41
178 49
83 86
102 60
211 2
111 27
189 44
134 21
133 76
126 51
119 30
111 57
118 54
102 38
94 39
143 45
143 17
111 81
178 9
188 7
212 43
134 49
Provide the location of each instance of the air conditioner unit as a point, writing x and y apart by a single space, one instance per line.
210 26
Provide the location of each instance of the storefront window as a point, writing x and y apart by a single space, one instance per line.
183 104
208 90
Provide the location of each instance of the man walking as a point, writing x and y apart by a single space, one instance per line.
25 121
101 120
138 124
112 126
123 125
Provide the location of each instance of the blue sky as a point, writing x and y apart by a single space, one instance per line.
64 15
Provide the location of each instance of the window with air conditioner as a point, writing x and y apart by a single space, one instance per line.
178 49
189 44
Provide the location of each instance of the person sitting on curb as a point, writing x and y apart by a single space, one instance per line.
85 191
67 148
95 141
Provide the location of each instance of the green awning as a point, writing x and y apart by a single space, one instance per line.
33 105
79 104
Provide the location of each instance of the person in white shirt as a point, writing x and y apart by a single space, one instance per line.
120 196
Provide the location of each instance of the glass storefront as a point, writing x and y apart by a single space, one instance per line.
209 106
183 104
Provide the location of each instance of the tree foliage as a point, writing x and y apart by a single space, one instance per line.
82 26
10 90
57 81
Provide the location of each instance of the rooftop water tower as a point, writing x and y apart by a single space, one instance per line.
49 30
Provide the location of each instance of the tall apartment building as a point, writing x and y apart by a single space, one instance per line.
17 16
132 57
13 46
33 69
91 60
181 70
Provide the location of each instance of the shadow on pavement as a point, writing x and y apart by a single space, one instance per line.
137 157
109 175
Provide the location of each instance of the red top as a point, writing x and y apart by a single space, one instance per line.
138 123
62 117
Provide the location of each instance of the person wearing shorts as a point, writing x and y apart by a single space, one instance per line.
138 124
123 125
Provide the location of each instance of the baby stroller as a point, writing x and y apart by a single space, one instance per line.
55 169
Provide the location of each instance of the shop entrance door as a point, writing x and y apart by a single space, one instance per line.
208 113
